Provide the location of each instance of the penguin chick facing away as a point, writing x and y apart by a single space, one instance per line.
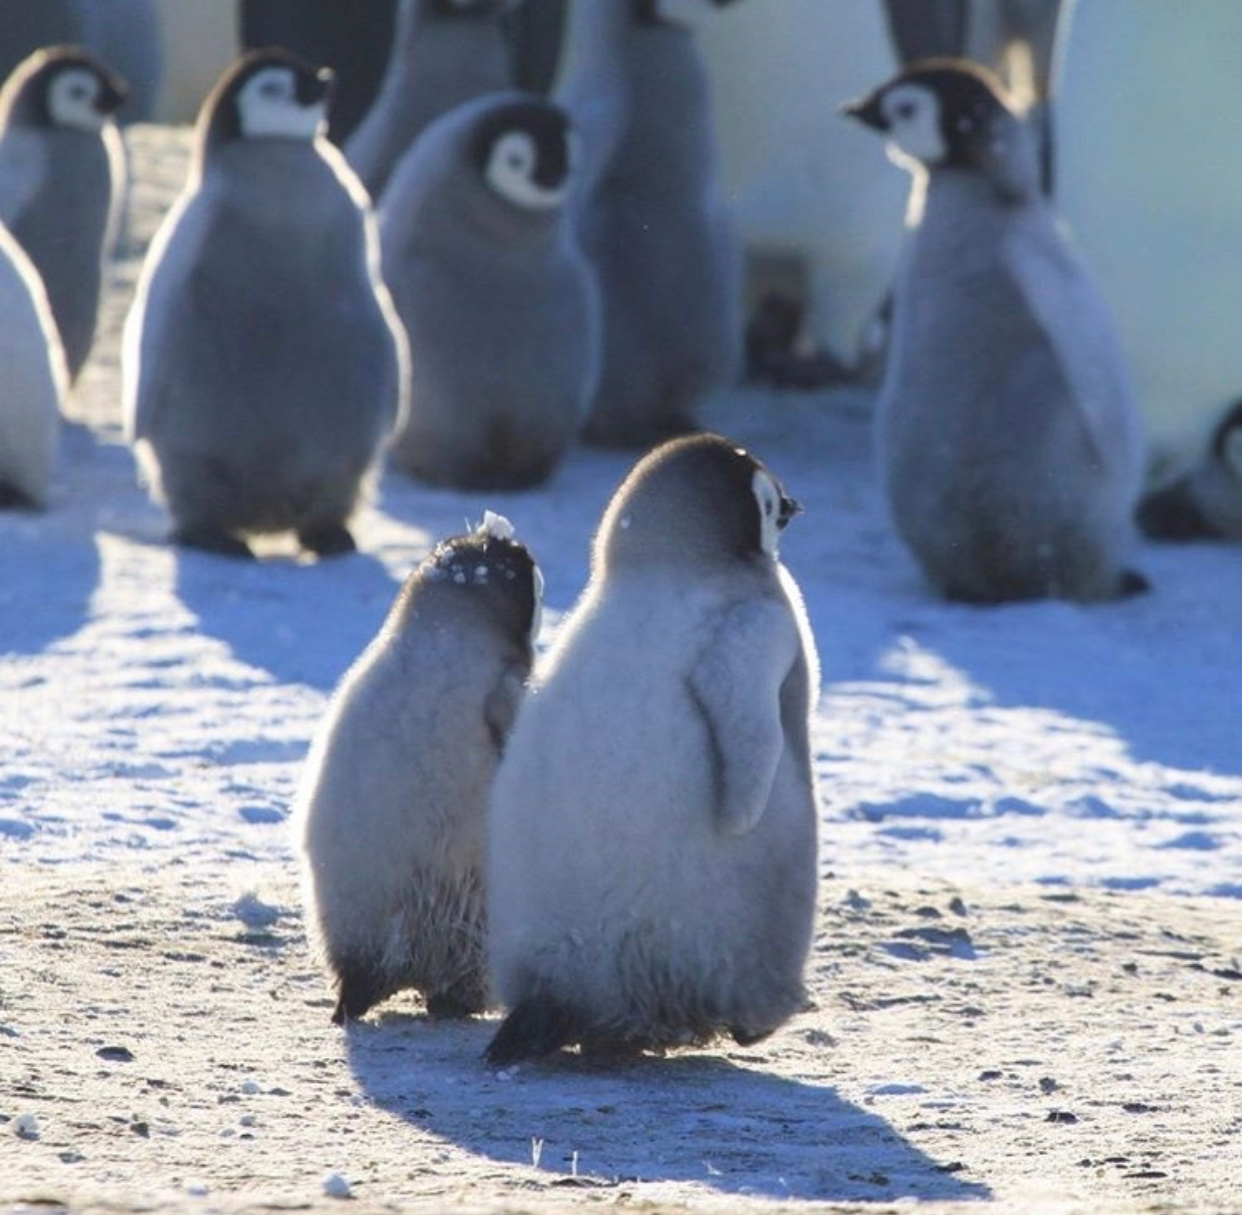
1008 437
35 380
263 360
652 848
444 53
500 306
391 810
1205 502
62 174
652 216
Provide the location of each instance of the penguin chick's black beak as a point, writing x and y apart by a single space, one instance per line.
112 96
789 509
867 111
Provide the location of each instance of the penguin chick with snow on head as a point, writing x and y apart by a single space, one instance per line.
500 306
62 175
263 361
444 53
391 812
652 216
1008 437
652 855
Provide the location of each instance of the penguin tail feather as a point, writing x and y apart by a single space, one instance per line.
535 1026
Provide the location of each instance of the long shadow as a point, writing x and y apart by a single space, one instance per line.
49 561
301 623
1158 670
697 1119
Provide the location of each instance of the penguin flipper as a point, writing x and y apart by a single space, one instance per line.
535 1026
735 685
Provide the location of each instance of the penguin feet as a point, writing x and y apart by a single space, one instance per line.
1132 583
208 538
1171 513
358 989
327 539
456 1003
535 1026
12 498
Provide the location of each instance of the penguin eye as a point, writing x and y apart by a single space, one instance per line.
905 110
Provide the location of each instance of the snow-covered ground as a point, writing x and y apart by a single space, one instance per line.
1031 846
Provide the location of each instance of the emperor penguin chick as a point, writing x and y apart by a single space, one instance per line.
652 216
391 812
500 306
652 849
1205 502
263 360
444 53
34 380
62 177
1008 437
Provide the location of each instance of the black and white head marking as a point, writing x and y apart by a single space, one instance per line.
269 107
74 95
700 495
775 510
62 87
524 152
270 94
938 112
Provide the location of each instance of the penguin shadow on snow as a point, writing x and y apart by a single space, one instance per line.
697 1118
48 579
301 623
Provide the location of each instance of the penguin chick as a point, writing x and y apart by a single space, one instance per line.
1205 503
652 216
444 53
499 304
1008 437
35 380
391 811
652 848
263 360
62 179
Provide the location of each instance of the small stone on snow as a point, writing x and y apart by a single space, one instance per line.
336 1185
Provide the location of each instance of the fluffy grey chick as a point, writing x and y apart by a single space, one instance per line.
62 180
263 360
1008 438
392 808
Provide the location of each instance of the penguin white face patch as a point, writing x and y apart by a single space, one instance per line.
267 105
71 99
510 172
913 116
768 499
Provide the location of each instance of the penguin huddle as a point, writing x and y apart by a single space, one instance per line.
479 840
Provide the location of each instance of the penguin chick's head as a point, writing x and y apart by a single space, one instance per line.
692 499
1227 443
524 152
62 87
941 113
679 13
488 564
269 94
